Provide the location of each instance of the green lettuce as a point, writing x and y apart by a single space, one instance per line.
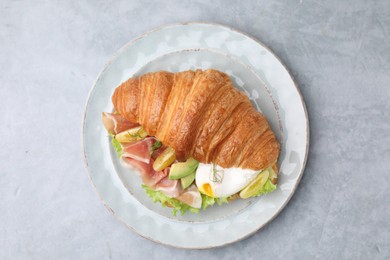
117 146
155 146
178 206
158 196
208 201
267 188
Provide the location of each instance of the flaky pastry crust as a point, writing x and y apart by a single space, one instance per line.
201 115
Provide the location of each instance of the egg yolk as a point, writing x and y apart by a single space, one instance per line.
207 189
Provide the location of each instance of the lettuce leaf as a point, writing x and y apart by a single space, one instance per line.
267 188
178 206
158 196
155 146
117 146
208 201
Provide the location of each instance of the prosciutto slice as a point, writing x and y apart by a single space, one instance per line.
153 179
148 175
140 150
115 123
191 196
171 188
138 155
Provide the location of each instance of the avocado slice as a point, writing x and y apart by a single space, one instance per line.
183 169
188 180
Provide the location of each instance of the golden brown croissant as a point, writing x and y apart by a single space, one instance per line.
201 115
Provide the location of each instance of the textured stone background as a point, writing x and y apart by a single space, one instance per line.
50 54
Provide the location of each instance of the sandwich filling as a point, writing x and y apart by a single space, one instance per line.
182 185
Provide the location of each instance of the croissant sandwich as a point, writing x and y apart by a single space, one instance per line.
195 139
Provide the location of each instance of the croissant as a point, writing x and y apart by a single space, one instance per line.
199 114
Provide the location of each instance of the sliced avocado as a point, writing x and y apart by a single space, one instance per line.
183 169
188 180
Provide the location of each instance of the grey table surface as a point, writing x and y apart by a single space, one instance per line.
50 54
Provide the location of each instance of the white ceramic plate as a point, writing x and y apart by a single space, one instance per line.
255 70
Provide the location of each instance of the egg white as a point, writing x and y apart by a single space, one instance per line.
231 180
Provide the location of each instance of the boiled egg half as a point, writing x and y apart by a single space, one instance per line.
218 182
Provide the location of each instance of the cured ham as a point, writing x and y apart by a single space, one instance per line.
140 151
148 175
171 188
115 123
157 180
191 196
158 152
